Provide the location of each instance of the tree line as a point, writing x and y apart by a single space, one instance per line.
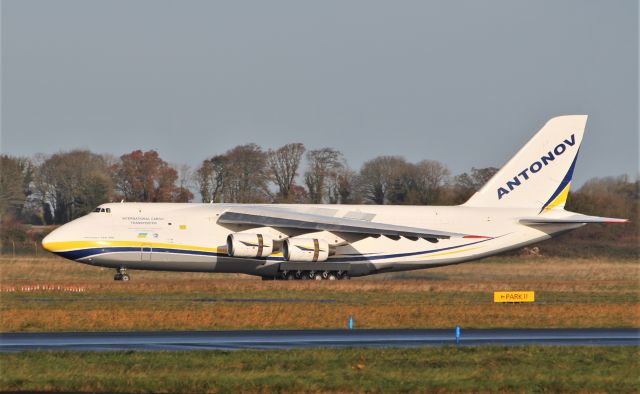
57 188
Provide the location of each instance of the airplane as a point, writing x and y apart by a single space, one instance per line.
523 203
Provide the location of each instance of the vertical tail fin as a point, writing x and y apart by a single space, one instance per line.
539 175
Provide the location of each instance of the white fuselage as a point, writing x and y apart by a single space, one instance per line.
521 204
188 237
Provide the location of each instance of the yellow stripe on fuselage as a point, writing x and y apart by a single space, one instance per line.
75 245
452 252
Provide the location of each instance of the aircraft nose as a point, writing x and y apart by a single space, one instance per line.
54 238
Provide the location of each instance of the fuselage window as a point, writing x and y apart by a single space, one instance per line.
102 210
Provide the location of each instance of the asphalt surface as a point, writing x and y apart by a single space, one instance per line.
291 339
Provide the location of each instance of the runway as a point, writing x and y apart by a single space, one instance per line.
294 339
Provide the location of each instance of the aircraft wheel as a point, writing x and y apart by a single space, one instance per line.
318 276
297 275
305 275
121 274
125 277
325 274
290 276
332 276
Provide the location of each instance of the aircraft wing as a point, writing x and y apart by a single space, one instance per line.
572 219
288 219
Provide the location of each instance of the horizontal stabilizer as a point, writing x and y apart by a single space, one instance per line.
573 219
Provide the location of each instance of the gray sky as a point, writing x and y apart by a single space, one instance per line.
463 82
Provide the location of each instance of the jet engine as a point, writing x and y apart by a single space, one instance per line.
249 245
305 249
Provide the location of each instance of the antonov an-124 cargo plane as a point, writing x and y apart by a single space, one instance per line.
522 204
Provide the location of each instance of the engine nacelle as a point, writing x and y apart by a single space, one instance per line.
305 249
249 245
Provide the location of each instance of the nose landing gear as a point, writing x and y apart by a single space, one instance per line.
121 274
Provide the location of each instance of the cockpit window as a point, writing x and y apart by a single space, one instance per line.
107 210
97 209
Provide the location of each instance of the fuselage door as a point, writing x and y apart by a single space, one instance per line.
145 252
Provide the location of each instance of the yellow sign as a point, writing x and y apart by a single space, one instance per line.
514 296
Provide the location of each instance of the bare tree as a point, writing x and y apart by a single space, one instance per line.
247 175
283 167
210 178
70 184
468 183
183 183
383 179
15 178
430 179
322 163
342 187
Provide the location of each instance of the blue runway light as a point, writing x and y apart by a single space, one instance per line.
457 334
350 322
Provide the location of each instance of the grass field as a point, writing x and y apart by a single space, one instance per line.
479 369
569 293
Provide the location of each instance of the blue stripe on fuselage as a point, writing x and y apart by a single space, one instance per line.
83 253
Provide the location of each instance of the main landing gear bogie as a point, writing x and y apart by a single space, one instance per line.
312 275
121 275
